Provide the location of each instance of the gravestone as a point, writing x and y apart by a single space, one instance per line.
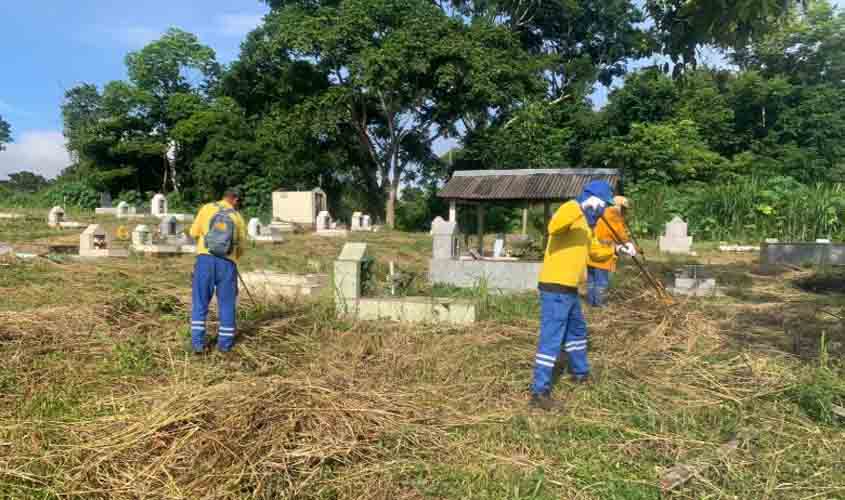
96 242
499 246
141 236
254 228
324 221
357 221
366 222
105 200
56 217
348 270
158 206
124 210
446 243
169 228
676 240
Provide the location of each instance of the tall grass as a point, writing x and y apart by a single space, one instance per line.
749 209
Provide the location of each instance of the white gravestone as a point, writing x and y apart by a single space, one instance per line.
158 206
499 247
676 240
96 242
367 223
254 228
141 236
324 221
445 239
357 221
56 217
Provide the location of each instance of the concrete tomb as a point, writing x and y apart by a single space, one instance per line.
676 240
349 275
360 222
141 236
694 281
774 253
96 242
261 233
298 208
56 220
328 227
447 266
158 205
272 285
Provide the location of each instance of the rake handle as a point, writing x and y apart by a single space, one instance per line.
661 290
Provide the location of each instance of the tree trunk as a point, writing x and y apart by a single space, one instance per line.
390 209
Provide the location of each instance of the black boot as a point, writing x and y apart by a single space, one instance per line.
545 402
582 379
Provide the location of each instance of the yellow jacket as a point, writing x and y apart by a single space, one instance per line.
571 243
202 221
606 239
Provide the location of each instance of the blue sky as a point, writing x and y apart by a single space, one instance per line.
47 46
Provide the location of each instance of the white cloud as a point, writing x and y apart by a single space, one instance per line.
39 151
236 25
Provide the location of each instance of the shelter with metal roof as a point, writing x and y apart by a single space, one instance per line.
530 186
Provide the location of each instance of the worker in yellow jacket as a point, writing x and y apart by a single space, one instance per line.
562 325
221 237
598 272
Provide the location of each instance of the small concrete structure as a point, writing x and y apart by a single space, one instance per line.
801 254
96 242
105 207
56 220
676 240
158 205
693 281
126 211
348 275
8 216
447 267
141 236
326 226
272 285
360 222
299 207
263 234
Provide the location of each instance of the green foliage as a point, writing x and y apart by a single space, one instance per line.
749 209
72 194
817 392
26 182
5 133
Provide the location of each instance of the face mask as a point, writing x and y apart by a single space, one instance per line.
593 214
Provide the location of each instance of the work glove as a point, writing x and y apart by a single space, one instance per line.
593 203
627 249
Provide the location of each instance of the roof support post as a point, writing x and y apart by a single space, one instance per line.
547 215
525 218
453 211
480 213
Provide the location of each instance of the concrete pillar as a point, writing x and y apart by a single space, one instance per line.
453 211
480 228
525 220
547 216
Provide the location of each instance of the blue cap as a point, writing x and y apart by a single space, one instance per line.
599 189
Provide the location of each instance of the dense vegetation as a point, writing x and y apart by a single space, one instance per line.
353 95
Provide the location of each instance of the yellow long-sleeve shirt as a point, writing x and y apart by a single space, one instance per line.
571 244
200 228
605 237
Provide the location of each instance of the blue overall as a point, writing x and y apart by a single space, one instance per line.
562 327
598 281
221 275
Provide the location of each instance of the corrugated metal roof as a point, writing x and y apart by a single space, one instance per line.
533 184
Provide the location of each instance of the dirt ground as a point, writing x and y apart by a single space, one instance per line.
100 398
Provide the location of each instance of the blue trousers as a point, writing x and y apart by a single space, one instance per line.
213 274
598 281
562 327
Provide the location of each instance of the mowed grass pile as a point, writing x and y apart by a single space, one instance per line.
99 398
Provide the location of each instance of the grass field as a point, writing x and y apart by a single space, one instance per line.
100 399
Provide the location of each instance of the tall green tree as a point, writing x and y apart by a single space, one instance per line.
5 133
403 73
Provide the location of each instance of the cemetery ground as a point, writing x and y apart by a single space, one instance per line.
99 397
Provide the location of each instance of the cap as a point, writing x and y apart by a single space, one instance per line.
601 190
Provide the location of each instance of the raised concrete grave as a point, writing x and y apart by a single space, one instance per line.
96 242
349 275
271 284
676 240
56 220
258 232
447 267
694 281
158 205
801 254
326 226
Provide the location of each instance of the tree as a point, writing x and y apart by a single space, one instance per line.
403 73
5 134
26 182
